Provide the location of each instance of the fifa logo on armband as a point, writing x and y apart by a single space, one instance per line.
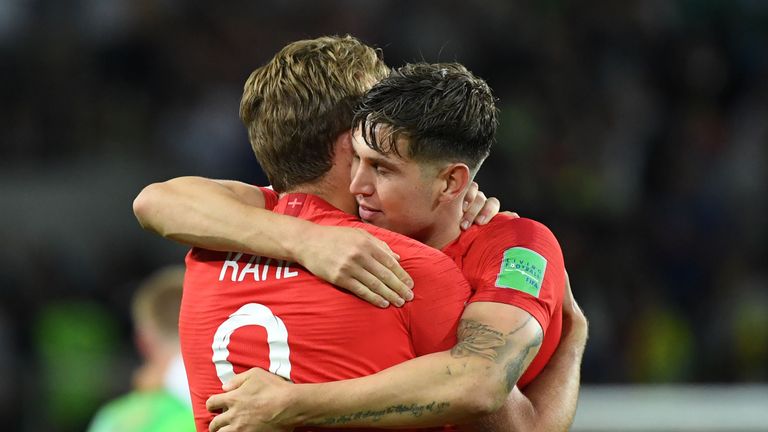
522 269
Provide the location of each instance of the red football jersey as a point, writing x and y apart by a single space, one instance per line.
517 262
240 311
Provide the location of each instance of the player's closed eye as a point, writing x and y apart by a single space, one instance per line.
380 170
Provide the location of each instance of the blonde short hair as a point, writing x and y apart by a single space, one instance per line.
296 105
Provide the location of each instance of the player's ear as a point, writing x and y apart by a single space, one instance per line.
343 146
344 141
454 179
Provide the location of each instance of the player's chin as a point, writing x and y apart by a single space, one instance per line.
376 218
369 215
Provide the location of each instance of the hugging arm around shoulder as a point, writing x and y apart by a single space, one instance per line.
221 215
225 215
471 379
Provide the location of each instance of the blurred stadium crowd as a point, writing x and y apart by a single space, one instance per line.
637 130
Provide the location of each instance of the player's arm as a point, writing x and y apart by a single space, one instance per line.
549 402
215 214
219 214
496 342
229 216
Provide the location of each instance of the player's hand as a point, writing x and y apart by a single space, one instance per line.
357 261
255 401
477 208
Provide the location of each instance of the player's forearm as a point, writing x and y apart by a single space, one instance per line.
431 390
555 391
203 213
548 404
471 380
549 407
549 401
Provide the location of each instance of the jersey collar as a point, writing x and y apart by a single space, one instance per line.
306 206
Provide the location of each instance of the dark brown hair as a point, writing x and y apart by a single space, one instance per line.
445 112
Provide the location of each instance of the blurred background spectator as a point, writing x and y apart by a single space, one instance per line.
637 130
159 399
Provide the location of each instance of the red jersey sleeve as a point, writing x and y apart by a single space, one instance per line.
270 197
440 294
518 262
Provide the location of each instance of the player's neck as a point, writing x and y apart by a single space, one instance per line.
151 375
333 186
445 228
443 238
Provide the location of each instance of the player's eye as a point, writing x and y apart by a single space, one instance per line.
380 170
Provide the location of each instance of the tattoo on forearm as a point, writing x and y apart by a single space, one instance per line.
475 339
484 341
412 410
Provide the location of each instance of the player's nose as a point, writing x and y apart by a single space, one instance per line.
361 183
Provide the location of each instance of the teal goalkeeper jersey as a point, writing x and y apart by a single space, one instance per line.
156 411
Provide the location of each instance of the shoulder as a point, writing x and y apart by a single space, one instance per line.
117 411
412 252
504 229
505 238
411 247
503 222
